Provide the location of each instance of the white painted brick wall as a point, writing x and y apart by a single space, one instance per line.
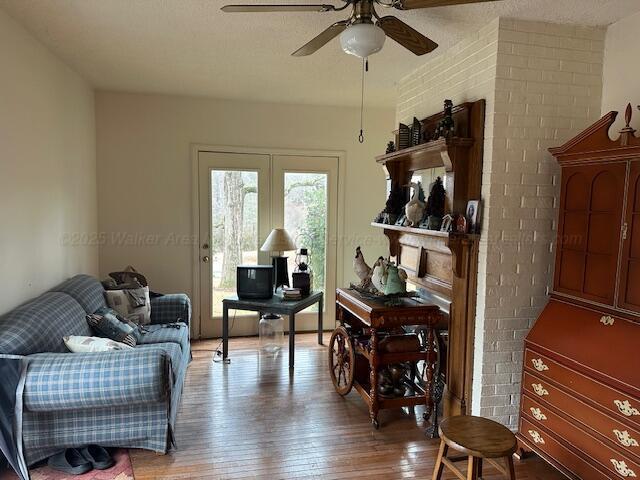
543 84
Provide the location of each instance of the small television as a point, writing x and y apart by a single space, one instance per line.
254 281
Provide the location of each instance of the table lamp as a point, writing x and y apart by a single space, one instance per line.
279 241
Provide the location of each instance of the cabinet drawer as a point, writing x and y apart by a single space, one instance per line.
624 437
624 407
539 440
609 458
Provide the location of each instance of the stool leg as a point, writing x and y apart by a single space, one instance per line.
437 471
512 471
472 468
479 468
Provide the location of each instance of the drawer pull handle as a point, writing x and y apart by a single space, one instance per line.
539 365
622 469
625 438
537 414
626 409
539 389
607 320
537 438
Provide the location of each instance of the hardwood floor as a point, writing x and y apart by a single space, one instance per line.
251 419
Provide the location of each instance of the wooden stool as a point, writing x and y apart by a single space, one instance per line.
478 439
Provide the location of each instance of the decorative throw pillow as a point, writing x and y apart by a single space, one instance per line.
78 344
133 304
107 323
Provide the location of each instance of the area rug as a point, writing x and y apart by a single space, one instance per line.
122 470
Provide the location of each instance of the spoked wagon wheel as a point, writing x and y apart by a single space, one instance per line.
342 360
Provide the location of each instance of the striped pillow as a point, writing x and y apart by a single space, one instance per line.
105 323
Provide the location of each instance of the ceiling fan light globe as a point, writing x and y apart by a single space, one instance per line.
362 39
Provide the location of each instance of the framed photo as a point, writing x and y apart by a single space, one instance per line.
473 216
447 221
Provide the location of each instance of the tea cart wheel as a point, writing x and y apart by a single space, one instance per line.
342 360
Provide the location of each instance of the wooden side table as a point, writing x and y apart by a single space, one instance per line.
275 304
477 439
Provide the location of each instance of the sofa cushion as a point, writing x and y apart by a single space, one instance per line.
38 326
164 333
86 290
133 304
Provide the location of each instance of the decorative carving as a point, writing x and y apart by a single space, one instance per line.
607 320
627 132
539 365
625 408
537 438
539 389
622 468
625 438
537 414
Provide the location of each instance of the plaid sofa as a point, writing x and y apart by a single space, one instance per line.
124 398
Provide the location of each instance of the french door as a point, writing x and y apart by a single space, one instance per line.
241 197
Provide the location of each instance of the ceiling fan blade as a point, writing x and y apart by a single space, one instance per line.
277 8
322 39
406 36
411 4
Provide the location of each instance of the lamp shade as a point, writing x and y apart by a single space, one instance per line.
278 241
362 39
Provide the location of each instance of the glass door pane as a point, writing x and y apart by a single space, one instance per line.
305 218
234 230
234 218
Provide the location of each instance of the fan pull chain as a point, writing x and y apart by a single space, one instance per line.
365 68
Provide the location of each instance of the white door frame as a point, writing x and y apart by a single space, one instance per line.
195 212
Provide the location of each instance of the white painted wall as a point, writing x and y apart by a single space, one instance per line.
542 83
621 76
144 171
47 169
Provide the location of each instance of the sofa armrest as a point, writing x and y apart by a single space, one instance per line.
171 308
68 381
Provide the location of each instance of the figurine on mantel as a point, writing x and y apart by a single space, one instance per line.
435 205
391 147
393 208
446 126
414 210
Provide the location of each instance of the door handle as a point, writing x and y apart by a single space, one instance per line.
205 259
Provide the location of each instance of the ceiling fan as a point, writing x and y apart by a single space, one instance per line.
364 32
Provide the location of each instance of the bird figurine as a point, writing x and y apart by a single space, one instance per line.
414 210
379 276
396 281
361 269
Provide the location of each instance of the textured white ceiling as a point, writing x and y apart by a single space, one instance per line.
190 47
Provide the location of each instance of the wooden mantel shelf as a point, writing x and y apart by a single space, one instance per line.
418 231
453 241
424 231
437 153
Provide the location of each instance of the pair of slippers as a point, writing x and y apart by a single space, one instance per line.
76 461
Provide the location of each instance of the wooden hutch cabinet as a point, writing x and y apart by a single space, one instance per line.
580 406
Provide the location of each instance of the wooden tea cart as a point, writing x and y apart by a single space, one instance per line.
356 356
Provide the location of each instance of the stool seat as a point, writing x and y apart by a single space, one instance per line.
477 436
477 439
